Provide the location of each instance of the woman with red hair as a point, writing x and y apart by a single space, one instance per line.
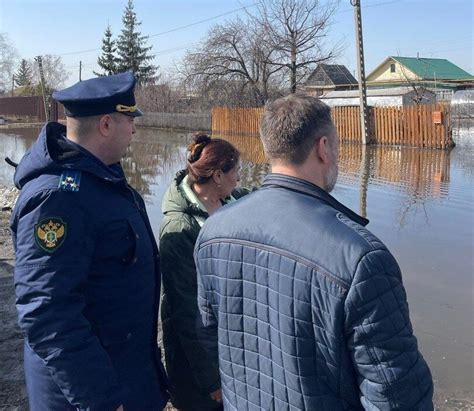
207 184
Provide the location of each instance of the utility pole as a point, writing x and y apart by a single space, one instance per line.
361 68
43 87
80 70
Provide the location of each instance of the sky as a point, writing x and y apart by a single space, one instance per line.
74 29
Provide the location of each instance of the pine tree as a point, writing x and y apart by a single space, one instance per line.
132 52
24 75
107 61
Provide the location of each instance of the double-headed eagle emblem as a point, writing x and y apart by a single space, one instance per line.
50 233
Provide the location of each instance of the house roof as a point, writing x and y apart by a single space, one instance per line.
338 74
376 92
430 69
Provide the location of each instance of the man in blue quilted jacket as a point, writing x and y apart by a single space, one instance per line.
303 306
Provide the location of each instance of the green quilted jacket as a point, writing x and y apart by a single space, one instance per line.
193 376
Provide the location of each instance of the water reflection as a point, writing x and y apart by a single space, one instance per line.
421 174
13 144
149 157
419 203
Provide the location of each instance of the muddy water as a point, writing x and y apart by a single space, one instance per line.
419 202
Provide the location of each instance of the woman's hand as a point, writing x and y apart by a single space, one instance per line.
217 395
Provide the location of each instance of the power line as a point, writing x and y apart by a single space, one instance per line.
158 53
215 17
168 31
369 6
201 21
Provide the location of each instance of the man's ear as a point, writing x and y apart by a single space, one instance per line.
322 149
106 125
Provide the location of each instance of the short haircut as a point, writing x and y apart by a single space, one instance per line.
83 126
291 125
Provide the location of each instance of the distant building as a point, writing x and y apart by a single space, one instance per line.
462 104
395 96
329 77
439 75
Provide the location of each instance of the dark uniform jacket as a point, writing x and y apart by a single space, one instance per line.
304 307
87 282
193 376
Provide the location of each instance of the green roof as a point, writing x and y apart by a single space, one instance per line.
433 69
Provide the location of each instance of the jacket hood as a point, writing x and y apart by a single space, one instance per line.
52 153
175 200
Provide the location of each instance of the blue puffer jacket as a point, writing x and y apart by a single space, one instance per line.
306 307
87 282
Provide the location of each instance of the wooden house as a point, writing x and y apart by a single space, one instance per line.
439 75
329 77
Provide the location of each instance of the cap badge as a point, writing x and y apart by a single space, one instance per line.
125 109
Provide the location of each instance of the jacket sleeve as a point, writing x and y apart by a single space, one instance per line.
392 372
49 286
207 325
180 284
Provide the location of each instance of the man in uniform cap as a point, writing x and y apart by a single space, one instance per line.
87 270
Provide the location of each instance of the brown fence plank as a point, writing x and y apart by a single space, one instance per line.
390 135
377 125
426 114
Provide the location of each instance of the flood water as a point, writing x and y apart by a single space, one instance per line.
419 202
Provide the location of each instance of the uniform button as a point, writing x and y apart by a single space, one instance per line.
137 236
135 259
129 335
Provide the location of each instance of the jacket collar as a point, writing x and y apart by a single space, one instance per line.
305 187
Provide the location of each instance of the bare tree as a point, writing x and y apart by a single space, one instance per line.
233 52
296 30
420 92
165 96
251 60
55 73
8 59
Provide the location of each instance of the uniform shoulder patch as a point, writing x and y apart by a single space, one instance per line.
70 180
50 233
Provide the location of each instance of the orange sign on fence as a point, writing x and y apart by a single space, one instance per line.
437 117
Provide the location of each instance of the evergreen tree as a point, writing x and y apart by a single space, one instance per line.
107 61
24 75
132 52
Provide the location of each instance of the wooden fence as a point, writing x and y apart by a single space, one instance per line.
30 108
418 126
236 121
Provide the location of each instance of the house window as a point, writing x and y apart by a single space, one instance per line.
392 68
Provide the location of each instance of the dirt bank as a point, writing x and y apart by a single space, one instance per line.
12 381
